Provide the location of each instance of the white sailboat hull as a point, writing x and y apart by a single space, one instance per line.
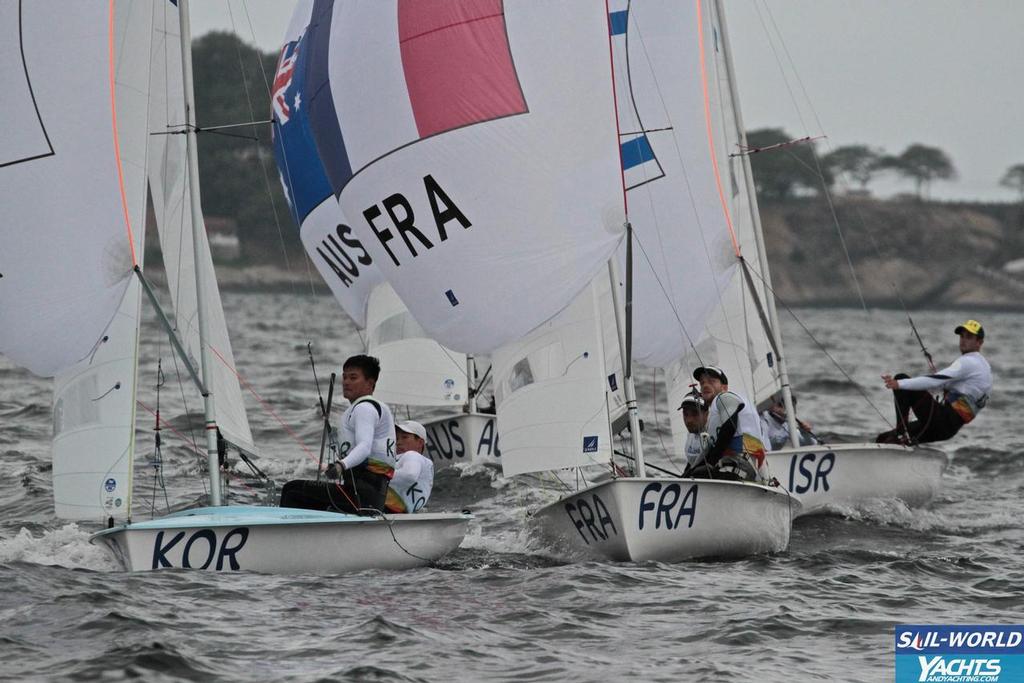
463 438
851 474
283 540
669 520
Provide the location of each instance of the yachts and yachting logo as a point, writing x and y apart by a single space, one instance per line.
590 444
959 654
110 484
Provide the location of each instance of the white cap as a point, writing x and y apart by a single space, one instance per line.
412 427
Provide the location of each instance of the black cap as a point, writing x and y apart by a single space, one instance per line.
710 370
692 401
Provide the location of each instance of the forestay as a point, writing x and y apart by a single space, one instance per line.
94 400
472 149
168 180
67 257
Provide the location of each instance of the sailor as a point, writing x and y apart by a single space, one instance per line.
367 440
737 448
695 416
775 426
410 488
966 385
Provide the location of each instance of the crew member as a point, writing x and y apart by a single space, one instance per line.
966 385
410 488
367 439
695 416
775 426
737 448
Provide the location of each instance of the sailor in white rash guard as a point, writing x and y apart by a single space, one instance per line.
966 383
737 449
366 452
410 488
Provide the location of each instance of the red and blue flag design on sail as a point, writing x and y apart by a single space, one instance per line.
454 69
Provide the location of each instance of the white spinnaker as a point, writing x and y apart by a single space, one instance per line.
550 389
342 261
168 182
94 400
66 259
479 165
415 370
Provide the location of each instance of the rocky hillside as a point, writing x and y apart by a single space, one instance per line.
936 254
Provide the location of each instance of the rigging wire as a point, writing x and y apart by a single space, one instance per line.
796 75
821 346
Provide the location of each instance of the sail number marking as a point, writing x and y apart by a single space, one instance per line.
669 505
586 515
807 472
200 549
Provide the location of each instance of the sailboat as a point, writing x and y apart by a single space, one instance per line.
74 311
476 156
743 337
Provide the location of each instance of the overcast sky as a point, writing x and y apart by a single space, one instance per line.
886 73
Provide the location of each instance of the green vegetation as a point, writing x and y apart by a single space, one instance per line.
922 164
239 177
1014 179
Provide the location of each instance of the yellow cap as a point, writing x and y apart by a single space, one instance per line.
972 326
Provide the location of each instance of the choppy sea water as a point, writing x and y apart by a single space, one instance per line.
503 607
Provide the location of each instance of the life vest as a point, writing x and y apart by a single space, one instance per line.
747 441
381 459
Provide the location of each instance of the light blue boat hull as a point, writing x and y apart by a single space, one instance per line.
283 540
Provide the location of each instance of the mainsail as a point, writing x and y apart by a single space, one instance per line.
67 253
169 187
94 400
471 148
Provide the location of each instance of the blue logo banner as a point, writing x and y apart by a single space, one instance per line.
929 653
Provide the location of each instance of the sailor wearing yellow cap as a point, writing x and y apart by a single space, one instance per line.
966 384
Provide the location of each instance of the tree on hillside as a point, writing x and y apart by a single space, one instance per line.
860 162
1014 179
922 164
782 172
230 89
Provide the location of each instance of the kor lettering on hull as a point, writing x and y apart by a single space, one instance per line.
199 549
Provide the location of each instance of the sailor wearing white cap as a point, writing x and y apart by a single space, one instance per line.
410 488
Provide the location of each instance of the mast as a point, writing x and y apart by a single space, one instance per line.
471 375
625 332
212 459
762 257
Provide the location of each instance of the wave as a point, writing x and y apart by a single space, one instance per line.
67 546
